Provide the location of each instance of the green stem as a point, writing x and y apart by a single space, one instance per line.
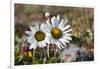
48 50
55 54
33 55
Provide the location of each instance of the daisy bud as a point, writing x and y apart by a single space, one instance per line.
47 14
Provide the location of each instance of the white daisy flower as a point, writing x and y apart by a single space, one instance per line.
58 31
37 36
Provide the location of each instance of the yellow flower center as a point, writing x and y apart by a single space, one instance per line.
39 36
56 33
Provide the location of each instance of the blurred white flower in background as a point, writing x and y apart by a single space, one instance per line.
69 53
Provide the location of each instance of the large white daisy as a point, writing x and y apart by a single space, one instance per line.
58 31
37 36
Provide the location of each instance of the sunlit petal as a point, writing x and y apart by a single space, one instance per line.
28 32
54 21
66 27
69 30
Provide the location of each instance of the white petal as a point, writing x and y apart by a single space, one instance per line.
33 45
62 24
58 45
28 32
52 40
32 28
58 18
40 44
37 26
67 34
66 27
68 38
61 45
65 40
30 40
48 23
62 42
48 34
49 27
54 21
43 43
47 40
43 27
68 31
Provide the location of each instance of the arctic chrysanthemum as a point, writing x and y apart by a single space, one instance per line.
37 36
59 31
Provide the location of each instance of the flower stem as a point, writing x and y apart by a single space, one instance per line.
55 55
48 50
33 56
